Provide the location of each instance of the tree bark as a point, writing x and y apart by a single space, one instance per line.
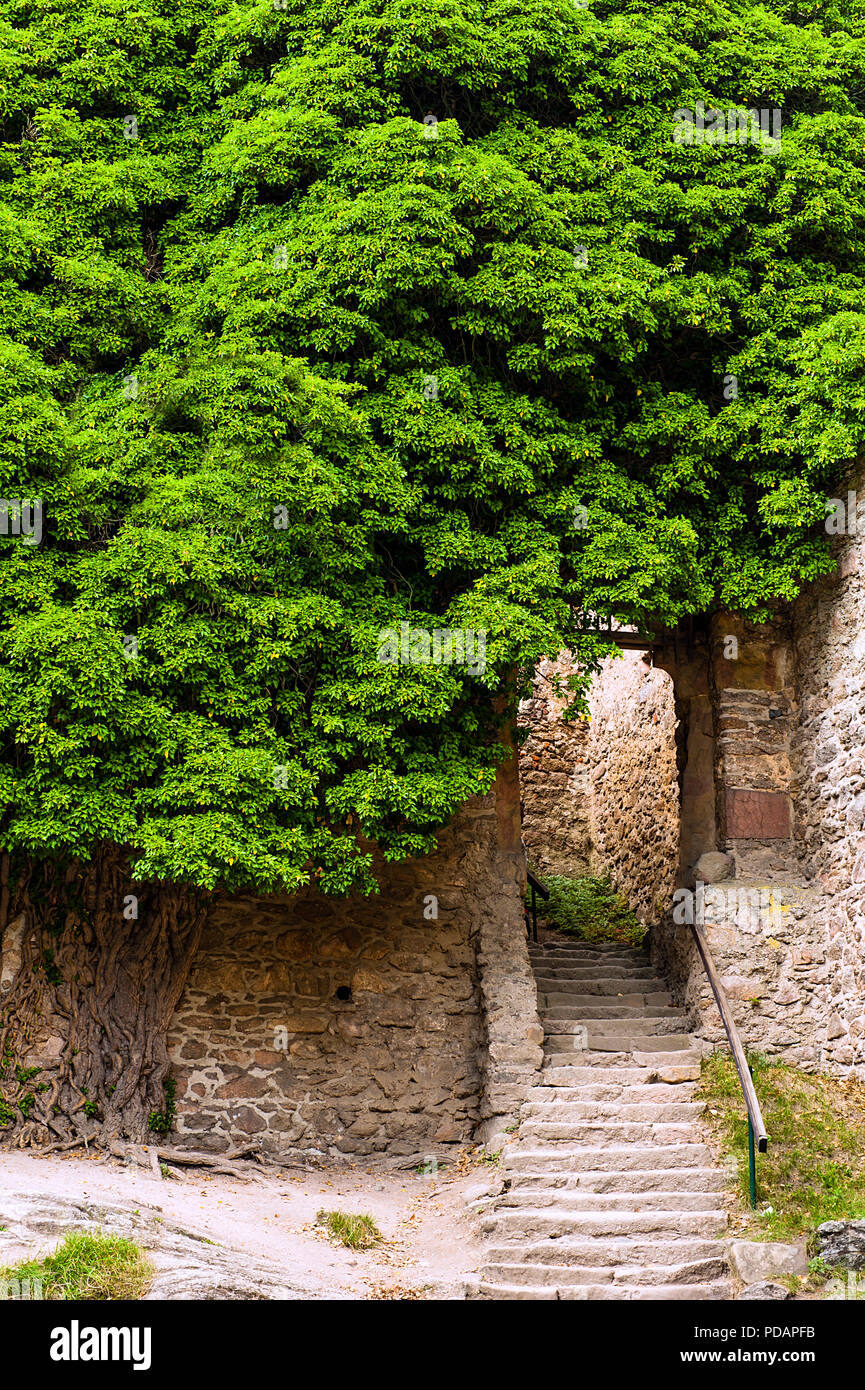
98 964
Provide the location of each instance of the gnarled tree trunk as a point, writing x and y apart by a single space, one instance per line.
93 966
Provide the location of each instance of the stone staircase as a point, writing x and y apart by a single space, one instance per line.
609 1191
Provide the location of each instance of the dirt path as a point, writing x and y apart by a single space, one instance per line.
430 1247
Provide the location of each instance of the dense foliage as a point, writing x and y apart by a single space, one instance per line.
321 317
589 909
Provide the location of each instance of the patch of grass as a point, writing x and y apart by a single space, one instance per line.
814 1170
357 1230
91 1266
590 909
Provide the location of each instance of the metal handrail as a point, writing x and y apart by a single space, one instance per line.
536 887
756 1127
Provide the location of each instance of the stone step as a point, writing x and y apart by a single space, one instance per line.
601 1133
634 1184
622 971
572 1111
628 1076
672 1067
611 1253
614 977
593 983
636 1093
586 982
613 1158
600 952
486 1291
522 1222
575 993
593 1293
503 1271
597 965
560 1021
596 990
623 1015
572 1199
604 1007
608 1006
559 1048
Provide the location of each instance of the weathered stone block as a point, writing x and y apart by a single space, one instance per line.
842 1243
755 1260
757 815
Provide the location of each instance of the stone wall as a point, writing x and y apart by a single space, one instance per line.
784 913
747 891
764 938
555 779
635 790
757 907
600 796
754 698
828 758
765 746
766 739
367 1024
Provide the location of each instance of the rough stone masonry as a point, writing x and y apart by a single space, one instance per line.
742 769
393 1024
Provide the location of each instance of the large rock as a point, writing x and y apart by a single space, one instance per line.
843 1243
764 1291
756 1261
714 867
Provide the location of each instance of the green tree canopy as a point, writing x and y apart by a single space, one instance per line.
324 318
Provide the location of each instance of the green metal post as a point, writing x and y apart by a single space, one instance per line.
752 1166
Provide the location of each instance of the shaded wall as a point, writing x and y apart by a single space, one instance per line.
635 790
365 1025
600 796
556 778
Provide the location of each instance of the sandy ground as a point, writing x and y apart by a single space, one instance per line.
430 1247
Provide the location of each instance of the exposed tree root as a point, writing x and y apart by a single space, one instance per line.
83 1021
225 1164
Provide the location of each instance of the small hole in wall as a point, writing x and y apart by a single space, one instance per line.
344 992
